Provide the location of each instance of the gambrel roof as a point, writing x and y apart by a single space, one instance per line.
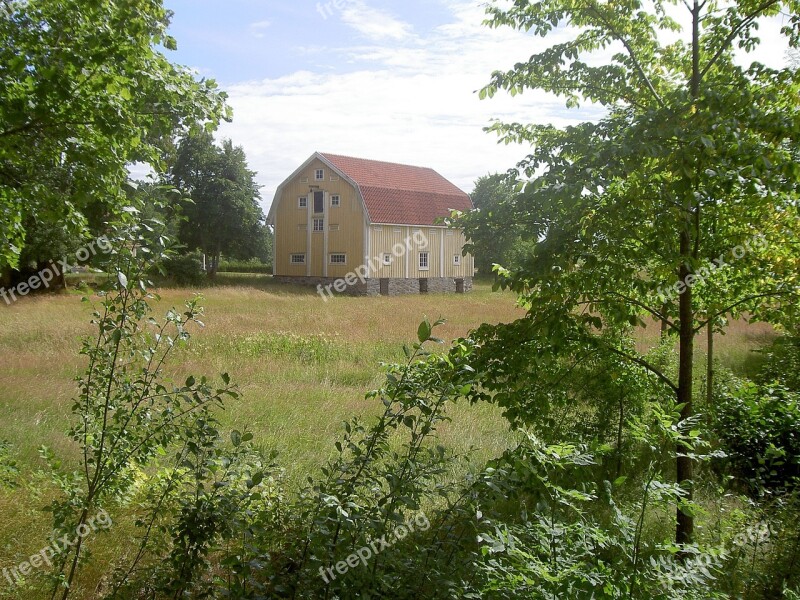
393 193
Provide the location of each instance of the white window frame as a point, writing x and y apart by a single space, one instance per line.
456 260
319 175
338 262
427 265
302 202
319 225
387 259
336 200
333 227
292 257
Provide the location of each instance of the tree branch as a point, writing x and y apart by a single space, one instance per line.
632 54
643 363
734 32
735 304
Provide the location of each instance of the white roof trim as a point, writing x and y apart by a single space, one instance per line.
316 156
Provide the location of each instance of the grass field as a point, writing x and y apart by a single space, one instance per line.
302 364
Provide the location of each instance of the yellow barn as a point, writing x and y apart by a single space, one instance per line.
367 227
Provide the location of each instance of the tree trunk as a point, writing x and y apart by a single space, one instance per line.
664 323
214 265
685 524
710 367
684 530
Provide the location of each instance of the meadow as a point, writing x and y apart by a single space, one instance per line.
303 366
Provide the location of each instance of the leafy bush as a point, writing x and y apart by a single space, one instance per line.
783 362
184 270
759 429
244 266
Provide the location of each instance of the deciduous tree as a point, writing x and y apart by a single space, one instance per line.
224 215
85 90
694 156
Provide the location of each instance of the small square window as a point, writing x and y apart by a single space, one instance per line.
457 260
319 224
387 259
320 175
338 259
424 264
335 200
302 202
298 259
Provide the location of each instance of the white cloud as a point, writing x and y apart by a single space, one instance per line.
374 24
410 101
258 28
415 102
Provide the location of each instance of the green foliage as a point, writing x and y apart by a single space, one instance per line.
759 429
126 415
381 479
495 237
254 265
224 216
85 90
782 364
626 212
9 469
185 269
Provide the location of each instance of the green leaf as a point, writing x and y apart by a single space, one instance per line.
424 331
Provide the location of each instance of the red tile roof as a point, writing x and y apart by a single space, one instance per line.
401 194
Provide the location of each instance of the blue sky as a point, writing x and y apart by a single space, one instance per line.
242 40
391 81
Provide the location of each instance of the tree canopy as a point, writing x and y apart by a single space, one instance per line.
224 215
694 158
85 90
494 237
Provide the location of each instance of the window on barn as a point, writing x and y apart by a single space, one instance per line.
387 259
424 263
456 260
335 200
338 259
320 175
298 259
319 202
319 225
302 202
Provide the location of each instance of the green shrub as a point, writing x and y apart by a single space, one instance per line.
759 429
244 266
184 269
783 362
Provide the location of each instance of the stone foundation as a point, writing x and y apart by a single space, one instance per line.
383 287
